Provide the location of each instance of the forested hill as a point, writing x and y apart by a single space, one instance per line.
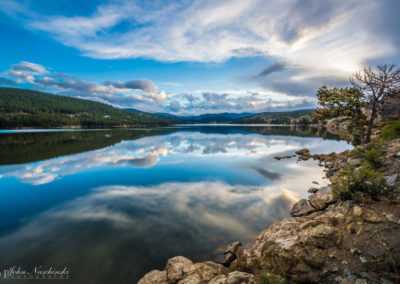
287 117
27 108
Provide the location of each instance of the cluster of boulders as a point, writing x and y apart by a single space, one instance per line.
183 271
343 243
318 201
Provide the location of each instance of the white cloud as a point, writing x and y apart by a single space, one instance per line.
26 71
321 36
312 43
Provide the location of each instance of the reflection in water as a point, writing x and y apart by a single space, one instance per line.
112 214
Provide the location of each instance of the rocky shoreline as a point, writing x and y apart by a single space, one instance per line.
324 241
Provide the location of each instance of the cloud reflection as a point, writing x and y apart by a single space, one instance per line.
142 226
185 145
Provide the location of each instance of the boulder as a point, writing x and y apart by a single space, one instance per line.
208 270
323 236
302 208
177 267
322 198
238 277
231 252
392 179
154 276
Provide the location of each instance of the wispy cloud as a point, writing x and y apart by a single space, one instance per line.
310 43
207 31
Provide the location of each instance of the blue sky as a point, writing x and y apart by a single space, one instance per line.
192 57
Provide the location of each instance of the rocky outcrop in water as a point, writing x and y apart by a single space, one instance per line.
340 244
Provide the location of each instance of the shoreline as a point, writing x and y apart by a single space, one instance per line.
325 240
158 125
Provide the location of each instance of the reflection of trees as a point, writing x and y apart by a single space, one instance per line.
19 148
300 131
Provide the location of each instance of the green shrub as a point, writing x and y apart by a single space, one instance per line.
371 153
271 278
373 157
355 183
391 130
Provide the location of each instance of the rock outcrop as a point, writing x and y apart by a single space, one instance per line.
339 244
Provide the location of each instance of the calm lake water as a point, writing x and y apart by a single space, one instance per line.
111 205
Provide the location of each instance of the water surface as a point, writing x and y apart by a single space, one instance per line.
111 205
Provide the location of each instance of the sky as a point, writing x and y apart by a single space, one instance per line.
194 57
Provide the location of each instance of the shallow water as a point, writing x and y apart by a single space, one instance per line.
111 205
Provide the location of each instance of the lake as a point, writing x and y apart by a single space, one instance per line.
111 205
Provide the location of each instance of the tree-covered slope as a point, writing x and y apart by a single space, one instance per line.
275 117
27 108
224 117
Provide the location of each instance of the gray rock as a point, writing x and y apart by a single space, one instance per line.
302 208
322 198
392 179
354 162
398 154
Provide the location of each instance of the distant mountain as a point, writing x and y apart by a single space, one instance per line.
27 108
133 110
284 117
209 117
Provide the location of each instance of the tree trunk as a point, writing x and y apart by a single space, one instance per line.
371 123
362 139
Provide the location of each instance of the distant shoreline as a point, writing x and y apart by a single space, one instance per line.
77 127
83 127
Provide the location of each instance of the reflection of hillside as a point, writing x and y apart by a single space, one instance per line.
19 148
300 131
